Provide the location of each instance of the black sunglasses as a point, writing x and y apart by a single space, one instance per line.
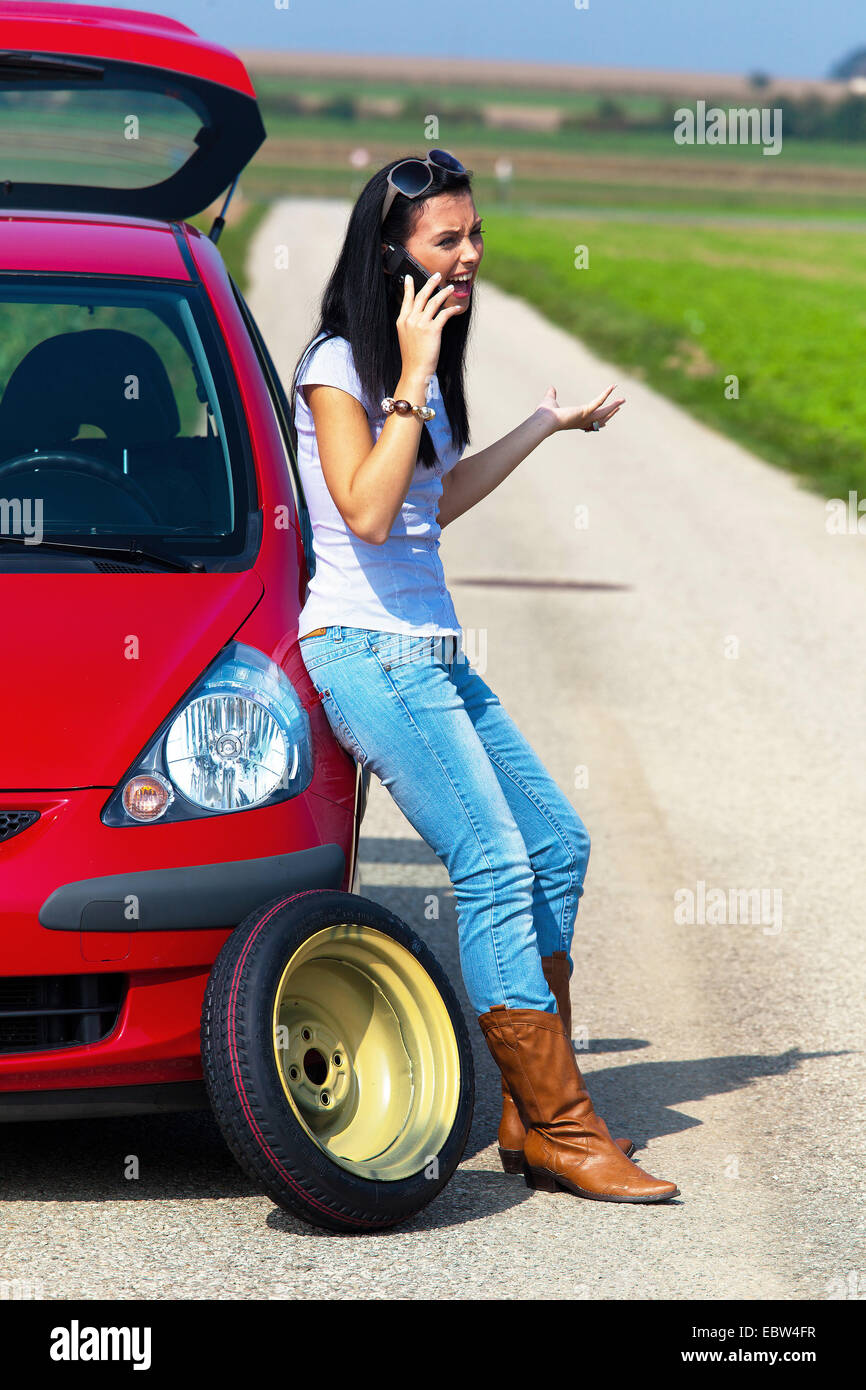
412 177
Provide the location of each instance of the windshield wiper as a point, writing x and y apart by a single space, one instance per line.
117 552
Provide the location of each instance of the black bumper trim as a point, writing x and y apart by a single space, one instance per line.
102 1101
197 897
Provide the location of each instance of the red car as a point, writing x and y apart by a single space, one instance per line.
179 921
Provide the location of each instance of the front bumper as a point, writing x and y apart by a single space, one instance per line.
194 897
151 906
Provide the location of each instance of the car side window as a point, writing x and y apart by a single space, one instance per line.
282 411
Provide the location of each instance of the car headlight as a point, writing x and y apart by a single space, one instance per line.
240 739
226 751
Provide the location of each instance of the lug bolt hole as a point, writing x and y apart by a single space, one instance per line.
326 1099
338 1060
293 1073
306 1034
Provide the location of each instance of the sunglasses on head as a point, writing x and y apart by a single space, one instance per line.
411 177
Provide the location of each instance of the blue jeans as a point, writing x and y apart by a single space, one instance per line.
464 776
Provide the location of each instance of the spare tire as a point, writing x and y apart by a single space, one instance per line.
337 1060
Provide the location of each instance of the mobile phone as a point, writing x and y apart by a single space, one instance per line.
398 262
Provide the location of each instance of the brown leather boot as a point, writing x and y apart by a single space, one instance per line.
511 1131
567 1145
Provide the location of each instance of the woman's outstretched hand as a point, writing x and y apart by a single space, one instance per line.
580 417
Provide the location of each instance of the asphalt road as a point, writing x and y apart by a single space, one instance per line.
696 649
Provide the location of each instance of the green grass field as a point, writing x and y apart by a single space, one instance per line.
781 307
682 306
270 87
538 195
307 151
783 310
399 133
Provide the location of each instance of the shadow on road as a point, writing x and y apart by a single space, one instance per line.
182 1156
638 1099
642 1097
471 1195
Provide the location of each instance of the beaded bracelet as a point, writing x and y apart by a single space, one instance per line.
421 412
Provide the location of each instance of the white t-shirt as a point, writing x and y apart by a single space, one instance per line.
395 587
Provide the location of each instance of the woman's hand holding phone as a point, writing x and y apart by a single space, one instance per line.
419 325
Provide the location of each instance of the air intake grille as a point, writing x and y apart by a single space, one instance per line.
39 1012
118 567
13 822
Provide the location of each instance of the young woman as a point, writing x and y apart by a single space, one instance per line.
381 641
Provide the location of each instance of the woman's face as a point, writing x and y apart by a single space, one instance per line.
447 237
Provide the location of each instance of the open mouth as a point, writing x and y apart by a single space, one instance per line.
461 286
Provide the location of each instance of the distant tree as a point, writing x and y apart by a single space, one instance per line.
461 113
848 119
807 119
608 114
611 112
759 78
664 118
341 107
852 66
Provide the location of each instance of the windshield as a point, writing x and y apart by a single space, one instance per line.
118 420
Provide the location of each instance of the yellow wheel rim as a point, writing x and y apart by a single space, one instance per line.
366 1052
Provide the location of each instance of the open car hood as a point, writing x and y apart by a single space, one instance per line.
114 111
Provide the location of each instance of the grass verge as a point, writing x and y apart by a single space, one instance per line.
685 308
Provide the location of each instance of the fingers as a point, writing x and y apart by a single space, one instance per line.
425 296
426 290
602 416
436 301
599 400
408 294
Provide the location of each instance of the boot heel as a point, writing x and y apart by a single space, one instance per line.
512 1160
539 1178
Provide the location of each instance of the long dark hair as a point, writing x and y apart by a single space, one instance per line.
361 303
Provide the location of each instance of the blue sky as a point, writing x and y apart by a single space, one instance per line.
795 38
